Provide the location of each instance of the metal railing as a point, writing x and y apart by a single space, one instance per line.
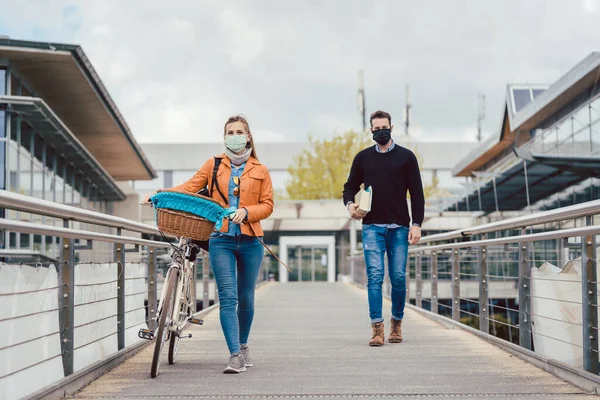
82 311
538 290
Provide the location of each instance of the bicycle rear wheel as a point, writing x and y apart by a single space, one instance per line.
162 332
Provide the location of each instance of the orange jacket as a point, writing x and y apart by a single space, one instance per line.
256 190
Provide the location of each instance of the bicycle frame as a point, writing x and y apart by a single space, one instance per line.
183 292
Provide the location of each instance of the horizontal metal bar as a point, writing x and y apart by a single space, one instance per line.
28 292
39 229
560 234
19 202
29 341
559 214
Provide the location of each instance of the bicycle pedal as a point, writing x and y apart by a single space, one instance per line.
146 334
196 321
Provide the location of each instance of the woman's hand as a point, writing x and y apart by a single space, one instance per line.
147 197
239 216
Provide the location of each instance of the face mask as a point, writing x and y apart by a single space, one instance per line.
382 136
236 143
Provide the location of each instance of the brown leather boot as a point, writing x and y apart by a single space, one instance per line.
378 335
396 331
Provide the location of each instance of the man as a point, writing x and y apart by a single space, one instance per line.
391 171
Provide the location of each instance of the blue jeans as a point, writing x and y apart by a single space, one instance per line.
235 261
376 242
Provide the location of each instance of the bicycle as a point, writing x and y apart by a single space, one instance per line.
177 302
176 305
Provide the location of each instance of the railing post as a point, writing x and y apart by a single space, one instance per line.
120 260
408 279
151 288
205 271
589 290
66 301
434 283
484 325
455 285
524 295
419 278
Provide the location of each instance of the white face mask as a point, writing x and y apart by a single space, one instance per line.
236 143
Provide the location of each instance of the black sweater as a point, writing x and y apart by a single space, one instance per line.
390 175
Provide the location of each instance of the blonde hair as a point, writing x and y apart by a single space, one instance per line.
239 118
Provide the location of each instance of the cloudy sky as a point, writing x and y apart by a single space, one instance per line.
178 69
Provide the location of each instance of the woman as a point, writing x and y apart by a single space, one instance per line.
235 252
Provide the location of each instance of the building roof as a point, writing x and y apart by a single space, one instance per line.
63 76
527 106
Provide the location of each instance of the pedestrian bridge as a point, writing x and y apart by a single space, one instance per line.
503 310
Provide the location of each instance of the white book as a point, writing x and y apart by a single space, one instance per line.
364 198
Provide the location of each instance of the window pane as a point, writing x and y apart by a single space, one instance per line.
581 118
2 81
537 92
595 110
521 97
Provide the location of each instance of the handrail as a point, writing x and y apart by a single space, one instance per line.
558 234
39 229
544 217
19 202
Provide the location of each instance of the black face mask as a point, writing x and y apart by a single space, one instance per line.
382 136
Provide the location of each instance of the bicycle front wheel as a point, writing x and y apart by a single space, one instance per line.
173 348
162 332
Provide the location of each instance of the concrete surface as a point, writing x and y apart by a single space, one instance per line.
309 341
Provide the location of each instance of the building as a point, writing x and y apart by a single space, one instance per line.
546 153
62 137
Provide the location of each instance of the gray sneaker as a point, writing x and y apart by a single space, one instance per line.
246 354
236 364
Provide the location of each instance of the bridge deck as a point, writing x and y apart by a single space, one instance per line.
310 341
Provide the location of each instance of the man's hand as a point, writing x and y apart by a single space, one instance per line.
239 216
352 209
414 235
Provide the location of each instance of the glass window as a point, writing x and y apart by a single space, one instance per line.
595 110
168 179
521 98
2 81
537 92
581 118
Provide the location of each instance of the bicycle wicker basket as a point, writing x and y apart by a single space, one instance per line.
185 224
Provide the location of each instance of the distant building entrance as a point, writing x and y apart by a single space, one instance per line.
311 258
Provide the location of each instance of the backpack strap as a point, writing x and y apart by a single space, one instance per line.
214 181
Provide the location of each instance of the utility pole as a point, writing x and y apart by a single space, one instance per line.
361 100
407 110
481 116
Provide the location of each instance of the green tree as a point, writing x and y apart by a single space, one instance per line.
321 171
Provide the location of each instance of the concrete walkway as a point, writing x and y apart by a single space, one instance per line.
309 341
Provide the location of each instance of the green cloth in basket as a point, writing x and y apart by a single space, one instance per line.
203 208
